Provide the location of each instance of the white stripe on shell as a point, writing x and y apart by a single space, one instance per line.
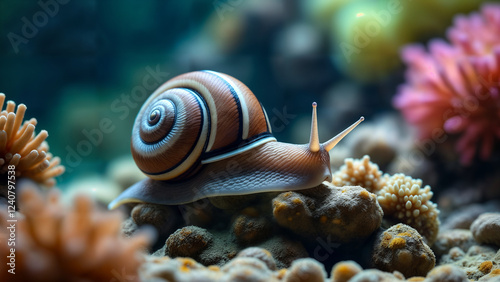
207 96
267 119
243 103
151 150
195 153
238 151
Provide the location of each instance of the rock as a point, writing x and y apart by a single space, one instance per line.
345 270
450 238
284 250
375 275
261 254
163 218
447 273
306 270
249 227
401 248
247 269
486 229
473 262
188 242
342 214
493 276
463 218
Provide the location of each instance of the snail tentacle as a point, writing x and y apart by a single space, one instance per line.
314 139
332 142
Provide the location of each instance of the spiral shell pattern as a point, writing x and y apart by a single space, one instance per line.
196 118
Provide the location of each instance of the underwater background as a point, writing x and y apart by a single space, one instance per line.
78 63
84 68
75 63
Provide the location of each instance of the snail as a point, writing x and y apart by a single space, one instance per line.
204 134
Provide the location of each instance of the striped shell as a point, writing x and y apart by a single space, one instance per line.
196 118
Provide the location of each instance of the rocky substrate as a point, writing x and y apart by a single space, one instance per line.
326 233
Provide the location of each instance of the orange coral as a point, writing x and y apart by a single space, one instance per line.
54 243
19 146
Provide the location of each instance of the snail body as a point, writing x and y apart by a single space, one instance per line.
204 134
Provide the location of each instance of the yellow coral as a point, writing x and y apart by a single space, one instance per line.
359 172
404 199
82 243
19 146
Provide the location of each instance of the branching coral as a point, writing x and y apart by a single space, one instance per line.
456 87
405 200
357 172
19 146
82 243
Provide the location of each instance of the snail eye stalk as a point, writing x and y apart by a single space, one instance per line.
314 139
332 142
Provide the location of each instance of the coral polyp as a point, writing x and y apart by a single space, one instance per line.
22 148
360 172
405 200
455 87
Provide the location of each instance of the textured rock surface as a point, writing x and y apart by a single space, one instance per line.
250 227
163 218
252 264
486 229
346 214
180 269
284 250
475 262
375 275
345 270
463 217
259 253
445 273
448 239
188 242
246 269
305 270
493 276
221 239
401 248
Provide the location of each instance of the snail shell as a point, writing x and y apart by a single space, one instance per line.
195 118
204 134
